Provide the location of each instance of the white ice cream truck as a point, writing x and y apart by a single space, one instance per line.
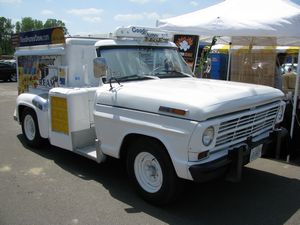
133 97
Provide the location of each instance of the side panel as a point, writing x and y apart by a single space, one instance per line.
70 122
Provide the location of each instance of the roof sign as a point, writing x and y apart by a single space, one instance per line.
149 34
42 37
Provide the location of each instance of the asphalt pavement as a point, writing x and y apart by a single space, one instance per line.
54 186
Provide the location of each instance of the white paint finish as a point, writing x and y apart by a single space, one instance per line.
202 98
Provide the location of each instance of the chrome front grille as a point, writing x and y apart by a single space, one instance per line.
249 124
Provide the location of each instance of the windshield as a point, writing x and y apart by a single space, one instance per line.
135 63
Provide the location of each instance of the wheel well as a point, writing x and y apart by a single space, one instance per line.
21 110
133 137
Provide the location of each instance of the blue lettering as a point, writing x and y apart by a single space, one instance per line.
47 83
152 35
139 30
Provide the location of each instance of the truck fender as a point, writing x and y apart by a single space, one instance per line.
39 105
127 139
173 133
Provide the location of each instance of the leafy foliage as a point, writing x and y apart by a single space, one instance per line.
6 30
55 23
29 24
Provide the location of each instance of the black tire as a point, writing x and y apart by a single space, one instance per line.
169 187
30 128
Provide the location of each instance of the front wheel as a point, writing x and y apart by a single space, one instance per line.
30 128
152 172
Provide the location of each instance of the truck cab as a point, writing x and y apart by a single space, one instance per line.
150 111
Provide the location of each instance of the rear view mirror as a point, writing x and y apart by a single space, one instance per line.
100 67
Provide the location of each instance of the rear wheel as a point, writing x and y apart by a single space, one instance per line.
152 172
30 128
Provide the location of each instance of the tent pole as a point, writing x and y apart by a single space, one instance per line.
196 56
229 61
295 102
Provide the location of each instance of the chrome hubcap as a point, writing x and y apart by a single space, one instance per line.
148 172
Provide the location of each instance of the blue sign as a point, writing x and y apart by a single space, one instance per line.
42 37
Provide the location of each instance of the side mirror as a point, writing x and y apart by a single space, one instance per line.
100 67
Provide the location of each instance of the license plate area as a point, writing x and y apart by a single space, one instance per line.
255 153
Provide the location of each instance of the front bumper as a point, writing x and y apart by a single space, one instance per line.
231 164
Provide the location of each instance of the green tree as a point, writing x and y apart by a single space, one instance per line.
6 30
18 27
55 23
29 24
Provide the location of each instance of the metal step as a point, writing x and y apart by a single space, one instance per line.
92 152
88 151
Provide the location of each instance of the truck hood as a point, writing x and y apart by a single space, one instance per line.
201 99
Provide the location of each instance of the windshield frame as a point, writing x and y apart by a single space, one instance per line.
146 76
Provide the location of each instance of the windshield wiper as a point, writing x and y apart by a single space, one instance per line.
171 73
136 77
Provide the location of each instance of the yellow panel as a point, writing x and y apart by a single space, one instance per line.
59 115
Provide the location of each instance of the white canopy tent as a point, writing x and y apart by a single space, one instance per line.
247 18
259 22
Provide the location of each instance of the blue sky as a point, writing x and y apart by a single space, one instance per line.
101 16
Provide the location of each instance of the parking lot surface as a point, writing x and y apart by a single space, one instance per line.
54 186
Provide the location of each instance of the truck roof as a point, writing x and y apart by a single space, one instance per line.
132 42
81 41
55 49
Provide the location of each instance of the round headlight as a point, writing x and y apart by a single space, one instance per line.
280 114
208 136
